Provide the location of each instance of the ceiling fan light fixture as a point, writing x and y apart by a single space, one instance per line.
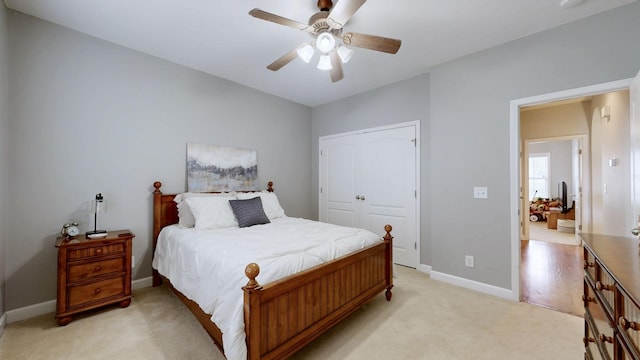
345 54
305 52
324 63
325 42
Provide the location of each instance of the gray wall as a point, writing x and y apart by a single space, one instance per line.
465 130
400 102
3 154
470 104
560 166
610 190
87 116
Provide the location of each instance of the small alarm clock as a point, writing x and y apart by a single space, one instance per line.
70 230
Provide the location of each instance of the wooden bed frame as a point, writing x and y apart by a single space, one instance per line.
283 316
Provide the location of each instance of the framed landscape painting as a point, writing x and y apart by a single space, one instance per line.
220 168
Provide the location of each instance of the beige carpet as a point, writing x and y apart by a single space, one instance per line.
425 319
538 231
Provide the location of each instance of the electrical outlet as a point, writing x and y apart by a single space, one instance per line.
480 192
468 261
133 261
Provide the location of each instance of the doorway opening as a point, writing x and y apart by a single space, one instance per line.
560 259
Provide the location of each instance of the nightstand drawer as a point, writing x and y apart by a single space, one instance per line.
88 270
79 295
77 253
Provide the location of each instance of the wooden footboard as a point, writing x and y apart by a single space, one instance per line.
283 316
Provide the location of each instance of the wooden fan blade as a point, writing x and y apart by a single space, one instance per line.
342 12
372 42
260 14
283 60
336 66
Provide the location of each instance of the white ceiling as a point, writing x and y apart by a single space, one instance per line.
221 39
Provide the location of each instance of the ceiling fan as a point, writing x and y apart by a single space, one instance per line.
325 27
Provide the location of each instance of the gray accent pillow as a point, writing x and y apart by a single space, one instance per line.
249 212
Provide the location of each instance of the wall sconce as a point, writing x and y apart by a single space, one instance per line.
605 112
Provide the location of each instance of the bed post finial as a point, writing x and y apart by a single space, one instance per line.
270 186
157 185
252 270
388 229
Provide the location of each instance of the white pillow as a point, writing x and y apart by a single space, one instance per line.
185 217
212 212
270 203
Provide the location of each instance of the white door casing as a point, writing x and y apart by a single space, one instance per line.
514 161
369 179
634 100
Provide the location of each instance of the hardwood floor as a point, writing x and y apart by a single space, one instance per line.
551 276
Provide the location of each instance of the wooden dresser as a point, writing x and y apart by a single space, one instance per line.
93 273
611 297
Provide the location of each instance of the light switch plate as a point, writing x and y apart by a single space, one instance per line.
480 192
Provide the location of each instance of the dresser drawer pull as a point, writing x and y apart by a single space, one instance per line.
99 251
98 268
588 264
587 340
600 286
97 291
605 338
586 298
626 324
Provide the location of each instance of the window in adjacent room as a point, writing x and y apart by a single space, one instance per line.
539 175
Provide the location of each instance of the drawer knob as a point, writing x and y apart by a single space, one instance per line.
605 338
98 268
600 286
97 291
587 340
588 264
99 251
586 298
626 324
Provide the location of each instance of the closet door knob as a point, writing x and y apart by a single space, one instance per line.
357 197
362 197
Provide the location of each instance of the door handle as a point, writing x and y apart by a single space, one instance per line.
362 197
357 197
635 231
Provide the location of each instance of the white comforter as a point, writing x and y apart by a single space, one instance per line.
208 265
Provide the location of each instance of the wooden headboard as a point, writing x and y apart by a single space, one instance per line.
165 212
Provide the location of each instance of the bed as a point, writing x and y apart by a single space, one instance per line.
282 316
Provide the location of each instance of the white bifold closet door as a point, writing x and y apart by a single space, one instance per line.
368 180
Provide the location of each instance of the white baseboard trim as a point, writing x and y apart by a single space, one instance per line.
142 283
30 311
46 307
474 285
424 268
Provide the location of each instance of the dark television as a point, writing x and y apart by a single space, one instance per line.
562 194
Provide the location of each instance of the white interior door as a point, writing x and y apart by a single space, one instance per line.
634 95
389 191
338 182
368 180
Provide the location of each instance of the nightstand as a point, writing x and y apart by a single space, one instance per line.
93 273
